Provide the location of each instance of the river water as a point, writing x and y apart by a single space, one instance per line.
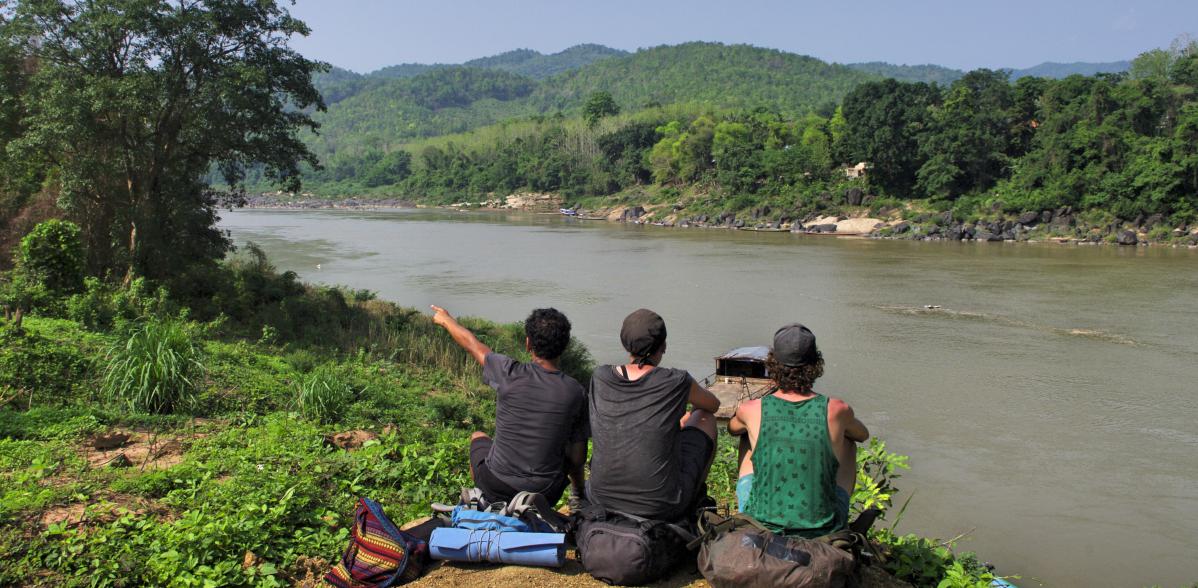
1049 406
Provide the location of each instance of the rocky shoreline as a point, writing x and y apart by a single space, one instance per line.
306 201
1062 225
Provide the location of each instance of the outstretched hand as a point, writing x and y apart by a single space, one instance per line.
461 335
441 317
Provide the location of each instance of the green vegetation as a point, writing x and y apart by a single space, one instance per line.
250 464
172 415
324 395
721 129
120 109
156 369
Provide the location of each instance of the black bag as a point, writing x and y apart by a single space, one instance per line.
739 551
623 549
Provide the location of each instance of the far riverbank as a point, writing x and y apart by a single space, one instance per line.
1060 226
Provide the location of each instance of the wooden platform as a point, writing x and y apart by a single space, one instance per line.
731 390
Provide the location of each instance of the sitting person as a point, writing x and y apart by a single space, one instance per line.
650 456
798 461
540 423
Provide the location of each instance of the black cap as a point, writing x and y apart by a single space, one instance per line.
643 333
794 346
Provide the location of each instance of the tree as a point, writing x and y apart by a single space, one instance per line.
967 144
883 123
599 105
133 102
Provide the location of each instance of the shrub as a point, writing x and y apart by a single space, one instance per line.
1160 234
40 369
157 369
21 291
324 394
102 306
53 254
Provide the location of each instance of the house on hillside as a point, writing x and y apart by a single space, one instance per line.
853 172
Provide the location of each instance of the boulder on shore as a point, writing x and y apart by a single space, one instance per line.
1128 238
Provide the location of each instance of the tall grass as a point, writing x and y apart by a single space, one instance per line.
324 395
157 369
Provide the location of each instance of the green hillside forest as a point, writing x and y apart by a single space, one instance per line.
717 130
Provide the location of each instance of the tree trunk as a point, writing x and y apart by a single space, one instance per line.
132 254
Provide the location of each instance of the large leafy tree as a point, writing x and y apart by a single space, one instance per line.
884 121
133 102
968 143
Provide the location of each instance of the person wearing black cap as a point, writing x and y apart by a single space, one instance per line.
798 462
540 418
650 456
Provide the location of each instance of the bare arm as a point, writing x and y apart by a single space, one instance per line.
702 398
737 426
854 429
576 459
461 335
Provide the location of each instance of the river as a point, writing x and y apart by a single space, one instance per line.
1048 405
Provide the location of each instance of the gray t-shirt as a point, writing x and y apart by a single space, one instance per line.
634 425
537 412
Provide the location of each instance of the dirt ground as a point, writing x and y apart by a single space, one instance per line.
453 575
144 450
100 510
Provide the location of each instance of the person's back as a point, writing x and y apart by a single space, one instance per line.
798 467
795 467
540 419
650 457
634 425
538 412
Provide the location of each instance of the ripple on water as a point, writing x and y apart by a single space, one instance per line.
948 313
500 286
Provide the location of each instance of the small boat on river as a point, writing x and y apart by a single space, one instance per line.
740 375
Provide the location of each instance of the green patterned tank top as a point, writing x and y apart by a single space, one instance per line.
794 466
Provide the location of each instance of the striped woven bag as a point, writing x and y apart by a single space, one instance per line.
379 554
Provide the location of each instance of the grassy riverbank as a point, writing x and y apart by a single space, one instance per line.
282 403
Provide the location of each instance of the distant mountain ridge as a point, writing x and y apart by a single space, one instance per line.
525 62
930 73
1050 69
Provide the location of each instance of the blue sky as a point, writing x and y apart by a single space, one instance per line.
364 35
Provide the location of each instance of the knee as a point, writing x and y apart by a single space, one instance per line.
479 435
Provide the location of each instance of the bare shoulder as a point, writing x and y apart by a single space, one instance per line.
749 408
838 406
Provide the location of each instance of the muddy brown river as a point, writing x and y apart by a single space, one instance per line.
1049 404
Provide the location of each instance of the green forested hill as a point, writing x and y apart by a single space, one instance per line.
372 113
712 74
533 64
525 62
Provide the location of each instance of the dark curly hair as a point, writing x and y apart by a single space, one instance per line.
795 378
548 332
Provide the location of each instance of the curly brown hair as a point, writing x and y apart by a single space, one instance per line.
795 378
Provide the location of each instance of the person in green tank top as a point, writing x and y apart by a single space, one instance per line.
798 458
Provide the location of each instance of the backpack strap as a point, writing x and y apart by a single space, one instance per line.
473 498
525 505
686 536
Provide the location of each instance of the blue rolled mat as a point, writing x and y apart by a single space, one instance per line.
477 545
